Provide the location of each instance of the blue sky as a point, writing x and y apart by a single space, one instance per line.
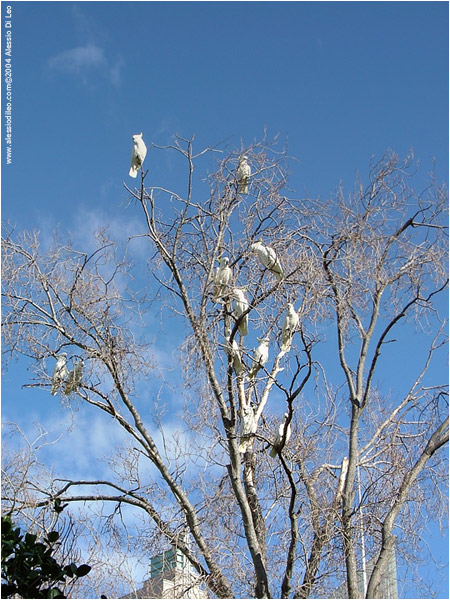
341 81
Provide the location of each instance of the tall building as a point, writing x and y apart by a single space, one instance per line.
171 576
388 584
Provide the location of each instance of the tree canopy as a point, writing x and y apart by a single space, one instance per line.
364 272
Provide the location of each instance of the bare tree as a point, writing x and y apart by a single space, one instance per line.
359 270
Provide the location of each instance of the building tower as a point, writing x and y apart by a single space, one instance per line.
171 576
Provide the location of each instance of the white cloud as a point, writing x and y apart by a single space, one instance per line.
81 57
79 445
87 58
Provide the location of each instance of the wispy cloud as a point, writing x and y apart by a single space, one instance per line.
86 59
81 57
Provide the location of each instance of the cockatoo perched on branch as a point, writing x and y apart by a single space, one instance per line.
60 372
248 427
243 174
138 154
222 278
290 323
268 258
276 447
74 377
240 305
260 357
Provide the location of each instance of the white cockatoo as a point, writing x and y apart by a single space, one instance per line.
268 258
138 154
74 377
222 278
248 427
237 357
240 305
243 174
290 323
60 372
260 357
276 447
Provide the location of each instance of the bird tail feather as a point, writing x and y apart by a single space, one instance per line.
243 329
286 344
273 452
133 172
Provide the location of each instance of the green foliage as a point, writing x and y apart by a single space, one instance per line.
28 567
